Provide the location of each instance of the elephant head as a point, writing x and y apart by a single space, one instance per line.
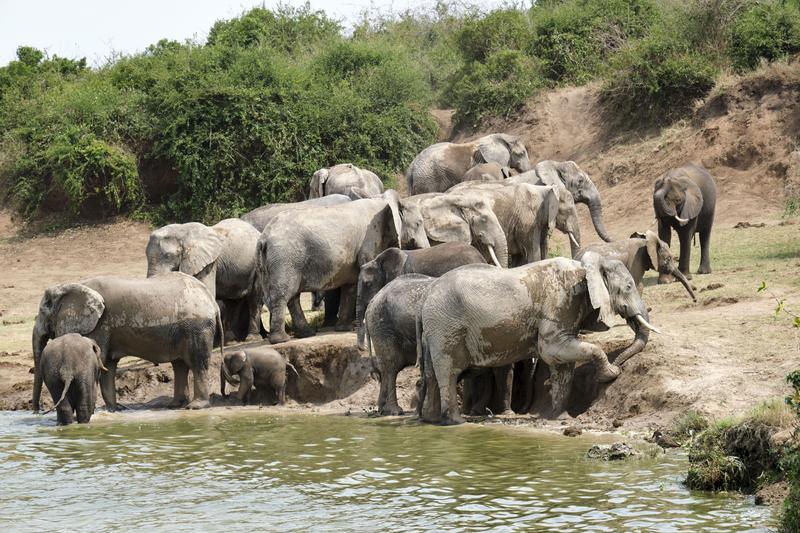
660 258
189 248
503 149
316 188
612 291
373 277
232 365
413 226
468 219
578 183
567 219
68 308
678 197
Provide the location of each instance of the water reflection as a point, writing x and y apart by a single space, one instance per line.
295 473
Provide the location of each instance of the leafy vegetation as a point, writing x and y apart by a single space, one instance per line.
203 130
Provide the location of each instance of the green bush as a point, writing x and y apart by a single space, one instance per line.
657 79
768 30
504 29
497 87
790 463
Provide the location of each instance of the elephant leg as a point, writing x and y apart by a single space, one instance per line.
478 388
449 401
254 316
317 299
705 260
685 238
501 397
277 321
64 412
331 298
389 391
299 322
200 400
180 395
108 384
561 377
281 390
83 408
347 308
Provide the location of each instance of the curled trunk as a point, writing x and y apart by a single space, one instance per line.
596 211
639 341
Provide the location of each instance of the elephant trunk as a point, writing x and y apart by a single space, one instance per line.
642 335
596 211
498 251
660 205
685 282
222 378
40 338
362 300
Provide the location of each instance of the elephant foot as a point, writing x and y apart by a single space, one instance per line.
329 323
505 412
391 410
253 337
176 403
343 327
303 333
607 373
197 403
451 420
703 270
277 338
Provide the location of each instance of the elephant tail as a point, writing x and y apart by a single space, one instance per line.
421 365
67 383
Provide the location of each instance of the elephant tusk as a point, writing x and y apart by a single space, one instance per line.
647 324
574 240
681 220
494 257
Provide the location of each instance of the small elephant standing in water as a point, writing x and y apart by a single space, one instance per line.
70 367
260 367
685 198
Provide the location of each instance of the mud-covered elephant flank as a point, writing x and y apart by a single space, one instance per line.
481 317
393 262
442 165
684 199
346 179
223 257
324 249
465 219
578 183
70 367
169 317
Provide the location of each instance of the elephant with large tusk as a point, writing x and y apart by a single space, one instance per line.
481 317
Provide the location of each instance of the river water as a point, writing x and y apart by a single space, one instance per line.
252 470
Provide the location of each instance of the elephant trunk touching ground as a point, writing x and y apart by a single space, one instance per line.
685 282
642 335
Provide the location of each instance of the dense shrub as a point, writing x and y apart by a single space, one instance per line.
657 79
767 30
504 29
790 464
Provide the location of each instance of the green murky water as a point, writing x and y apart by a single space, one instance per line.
253 471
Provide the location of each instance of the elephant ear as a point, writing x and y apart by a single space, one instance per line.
548 173
75 307
317 185
693 200
552 204
495 149
444 221
201 247
99 355
652 248
598 292
392 262
393 199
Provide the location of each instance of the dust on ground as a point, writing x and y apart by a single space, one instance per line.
719 356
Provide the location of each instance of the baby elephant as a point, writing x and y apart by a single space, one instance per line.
260 367
71 367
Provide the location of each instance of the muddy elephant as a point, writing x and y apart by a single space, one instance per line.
479 317
390 330
261 216
466 219
222 256
487 172
442 165
527 213
258 368
346 179
71 366
393 262
569 175
684 199
324 249
167 318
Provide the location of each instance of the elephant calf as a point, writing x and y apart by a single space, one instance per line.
260 367
71 366
390 326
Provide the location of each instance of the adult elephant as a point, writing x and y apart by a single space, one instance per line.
222 256
684 199
168 318
479 317
345 179
319 249
260 216
466 219
442 165
393 262
569 175
487 172
527 213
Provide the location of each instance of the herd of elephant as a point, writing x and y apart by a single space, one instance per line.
453 278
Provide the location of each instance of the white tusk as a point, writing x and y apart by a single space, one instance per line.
681 220
646 324
574 241
494 257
